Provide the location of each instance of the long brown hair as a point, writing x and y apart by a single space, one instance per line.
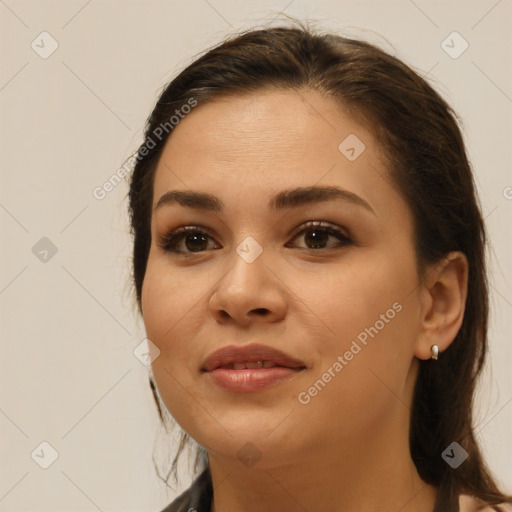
421 138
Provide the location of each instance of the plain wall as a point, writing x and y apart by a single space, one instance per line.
68 374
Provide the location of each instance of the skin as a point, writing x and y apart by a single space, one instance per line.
347 449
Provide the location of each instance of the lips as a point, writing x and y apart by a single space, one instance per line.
253 356
250 368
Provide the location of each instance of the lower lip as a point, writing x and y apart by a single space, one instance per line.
251 379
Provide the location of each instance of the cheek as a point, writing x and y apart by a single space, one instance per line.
371 380
165 308
155 303
362 293
173 304
372 320
170 300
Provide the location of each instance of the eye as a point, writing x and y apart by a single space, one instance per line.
316 234
195 238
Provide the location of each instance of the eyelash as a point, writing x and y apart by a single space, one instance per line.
168 241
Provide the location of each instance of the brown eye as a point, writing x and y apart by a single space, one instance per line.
316 236
192 238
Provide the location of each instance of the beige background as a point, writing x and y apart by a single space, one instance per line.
68 375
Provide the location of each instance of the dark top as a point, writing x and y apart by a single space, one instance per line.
197 498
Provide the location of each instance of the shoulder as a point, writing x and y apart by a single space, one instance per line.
469 503
197 497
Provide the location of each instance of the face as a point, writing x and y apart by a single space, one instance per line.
327 278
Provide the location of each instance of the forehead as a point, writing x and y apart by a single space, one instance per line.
245 148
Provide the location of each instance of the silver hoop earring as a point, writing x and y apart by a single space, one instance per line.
435 352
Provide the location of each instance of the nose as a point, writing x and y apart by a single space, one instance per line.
248 293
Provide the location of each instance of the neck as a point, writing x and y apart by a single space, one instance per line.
380 487
375 473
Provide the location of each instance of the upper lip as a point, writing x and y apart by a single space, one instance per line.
249 353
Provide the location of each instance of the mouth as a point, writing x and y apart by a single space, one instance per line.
246 365
253 356
250 368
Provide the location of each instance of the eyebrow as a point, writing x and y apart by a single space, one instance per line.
291 198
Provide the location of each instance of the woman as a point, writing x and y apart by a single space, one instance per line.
309 264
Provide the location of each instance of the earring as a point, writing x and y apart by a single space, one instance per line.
435 352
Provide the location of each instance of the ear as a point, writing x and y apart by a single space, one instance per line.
442 301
